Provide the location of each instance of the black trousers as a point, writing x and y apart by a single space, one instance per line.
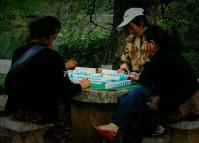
142 123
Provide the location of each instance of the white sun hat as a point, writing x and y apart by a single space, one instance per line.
129 15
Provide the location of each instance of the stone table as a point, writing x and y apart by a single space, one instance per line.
93 106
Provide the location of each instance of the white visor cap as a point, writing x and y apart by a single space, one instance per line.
129 15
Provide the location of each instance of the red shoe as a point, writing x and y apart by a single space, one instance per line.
104 133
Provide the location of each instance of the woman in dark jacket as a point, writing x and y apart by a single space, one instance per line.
168 74
167 80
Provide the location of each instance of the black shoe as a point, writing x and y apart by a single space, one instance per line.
155 134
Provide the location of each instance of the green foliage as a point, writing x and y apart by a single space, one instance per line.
25 7
10 39
183 16
186 20
84 40
193 59
87 49
74 15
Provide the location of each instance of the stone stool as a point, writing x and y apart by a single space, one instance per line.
184 132
21 132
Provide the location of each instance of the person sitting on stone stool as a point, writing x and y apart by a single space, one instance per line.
36 85
167 85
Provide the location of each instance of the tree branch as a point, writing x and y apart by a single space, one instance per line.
91 13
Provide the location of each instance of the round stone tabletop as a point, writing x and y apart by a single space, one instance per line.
100 96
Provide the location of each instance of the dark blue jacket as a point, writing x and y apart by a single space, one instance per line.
40 85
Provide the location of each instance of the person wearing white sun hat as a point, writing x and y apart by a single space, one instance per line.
134 56
129 15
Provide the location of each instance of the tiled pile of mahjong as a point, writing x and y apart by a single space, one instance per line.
101 80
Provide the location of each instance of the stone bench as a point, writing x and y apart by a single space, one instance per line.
4 66
3 100
156 139
21 132
184 132
179 132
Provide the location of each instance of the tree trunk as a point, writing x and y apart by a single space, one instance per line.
115 43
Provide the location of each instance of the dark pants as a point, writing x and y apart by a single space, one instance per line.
134 116
139 124
130 103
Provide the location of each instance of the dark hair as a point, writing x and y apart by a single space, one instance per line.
44 27
140 19
157 34
174 39
165 38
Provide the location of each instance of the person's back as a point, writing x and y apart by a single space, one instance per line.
38 87
168 74
171 77
36 84
174 87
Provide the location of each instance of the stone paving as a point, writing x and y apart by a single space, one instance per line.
163 139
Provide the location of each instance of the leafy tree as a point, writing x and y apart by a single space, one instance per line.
183 16
86 21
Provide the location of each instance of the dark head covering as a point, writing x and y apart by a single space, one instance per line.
44 27
165 38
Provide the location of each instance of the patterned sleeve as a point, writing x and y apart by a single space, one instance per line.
126 58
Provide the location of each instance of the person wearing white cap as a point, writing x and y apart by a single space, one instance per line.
129 15
150 106
134 56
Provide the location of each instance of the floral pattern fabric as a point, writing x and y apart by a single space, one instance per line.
134 55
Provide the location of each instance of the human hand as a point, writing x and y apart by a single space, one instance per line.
150 48
71 64
85 83
122 71
98 70
134 77
148 51
153 104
